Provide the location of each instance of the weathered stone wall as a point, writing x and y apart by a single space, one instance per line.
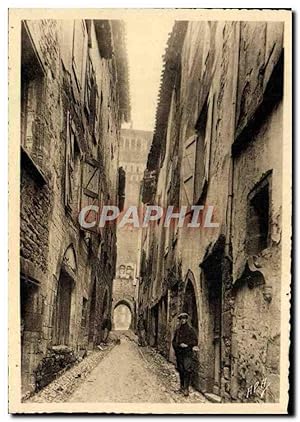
256 335
225 72
35 210
51 239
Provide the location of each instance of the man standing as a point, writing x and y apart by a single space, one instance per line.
185 338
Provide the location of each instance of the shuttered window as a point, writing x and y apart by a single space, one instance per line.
189 157
208 137
90 185
197 157
203 150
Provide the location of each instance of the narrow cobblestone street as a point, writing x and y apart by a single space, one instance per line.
120 373
151 226
122 376
127 374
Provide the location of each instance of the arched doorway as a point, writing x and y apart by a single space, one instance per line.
190 304
122 317
65 286
190 307
212 273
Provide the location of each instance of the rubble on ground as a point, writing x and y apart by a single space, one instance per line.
168 376
62 387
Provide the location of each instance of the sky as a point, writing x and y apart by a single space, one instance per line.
146 43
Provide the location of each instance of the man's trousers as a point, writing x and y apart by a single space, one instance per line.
184 366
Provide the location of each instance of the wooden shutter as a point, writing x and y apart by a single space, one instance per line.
90 184
189 158
208 135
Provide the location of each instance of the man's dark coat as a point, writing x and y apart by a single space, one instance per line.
184 355
184 334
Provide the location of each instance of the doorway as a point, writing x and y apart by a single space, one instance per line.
31 327
190 304
63 309
212 277
215 303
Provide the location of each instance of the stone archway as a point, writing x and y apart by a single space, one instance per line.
190 300
190 304
125 317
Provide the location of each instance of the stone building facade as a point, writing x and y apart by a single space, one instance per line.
134 149
218 141
74 100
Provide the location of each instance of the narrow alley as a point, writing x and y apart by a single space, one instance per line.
122 376
124 373
151 241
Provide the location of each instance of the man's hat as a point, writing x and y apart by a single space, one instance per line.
183 315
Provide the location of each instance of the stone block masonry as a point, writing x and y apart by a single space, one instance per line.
71 115
217 141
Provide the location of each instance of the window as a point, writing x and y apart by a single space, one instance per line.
32 99
121 187
203 150
258 217
189 158
90 184
200 159
132 143
196 157
138 145
73 173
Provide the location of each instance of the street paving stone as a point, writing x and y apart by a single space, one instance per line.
131 374
122 373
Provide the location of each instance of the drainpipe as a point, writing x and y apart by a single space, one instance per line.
231 168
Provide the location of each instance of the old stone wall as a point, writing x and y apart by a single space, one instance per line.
224 86
55 252
257 308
